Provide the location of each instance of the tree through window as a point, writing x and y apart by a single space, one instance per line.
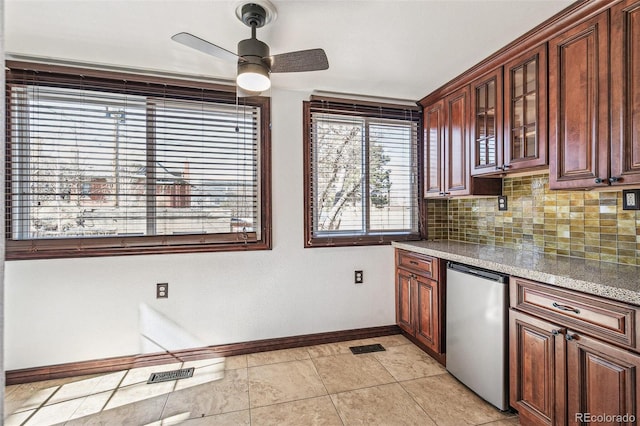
361 171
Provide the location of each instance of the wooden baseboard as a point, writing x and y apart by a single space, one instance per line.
107 365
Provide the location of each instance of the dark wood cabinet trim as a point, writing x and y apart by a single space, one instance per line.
579 11
74 369
625 93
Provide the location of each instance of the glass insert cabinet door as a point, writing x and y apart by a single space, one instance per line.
486 101
525 110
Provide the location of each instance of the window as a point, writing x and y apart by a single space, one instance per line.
361 173
108 164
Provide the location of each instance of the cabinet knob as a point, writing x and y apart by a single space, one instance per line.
614 179
506 166
569 336
598 180
555 332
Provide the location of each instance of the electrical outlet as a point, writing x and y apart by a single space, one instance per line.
358 277
631 199
502 203
162 290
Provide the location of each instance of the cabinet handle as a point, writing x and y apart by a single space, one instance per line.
598 180
413 262
614 179
506 166
566 308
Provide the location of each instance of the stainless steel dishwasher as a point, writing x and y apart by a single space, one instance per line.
476 331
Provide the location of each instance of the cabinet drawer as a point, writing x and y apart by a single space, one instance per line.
421 264
611 321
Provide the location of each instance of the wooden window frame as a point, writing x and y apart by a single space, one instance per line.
363 109
154 244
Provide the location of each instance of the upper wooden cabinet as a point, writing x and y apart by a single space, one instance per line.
525 111
447 149
625 93
434 129
456 143
486 124
509 119
578 105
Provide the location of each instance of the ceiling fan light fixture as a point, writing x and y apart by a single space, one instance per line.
253 77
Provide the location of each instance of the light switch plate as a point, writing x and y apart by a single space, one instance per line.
631 199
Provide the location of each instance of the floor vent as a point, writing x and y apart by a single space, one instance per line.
166 376
365 349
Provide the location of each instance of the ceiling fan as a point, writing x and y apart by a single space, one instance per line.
253 58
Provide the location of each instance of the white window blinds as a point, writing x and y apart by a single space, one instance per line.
111 163
362 164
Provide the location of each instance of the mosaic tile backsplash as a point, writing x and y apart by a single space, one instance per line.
585 224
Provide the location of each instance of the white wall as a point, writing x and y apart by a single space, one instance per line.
60 311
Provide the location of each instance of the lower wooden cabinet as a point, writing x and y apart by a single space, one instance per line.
561 375
601 380
419 299
536 370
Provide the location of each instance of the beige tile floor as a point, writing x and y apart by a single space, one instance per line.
315 385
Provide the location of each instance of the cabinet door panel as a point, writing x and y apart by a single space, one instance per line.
486 123
525 110
456 168
434 128
403 301
427 321
625 92
578 96
602 380
537 370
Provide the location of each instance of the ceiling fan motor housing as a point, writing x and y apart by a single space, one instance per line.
252 51
254 15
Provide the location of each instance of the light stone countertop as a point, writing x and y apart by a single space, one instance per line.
611 280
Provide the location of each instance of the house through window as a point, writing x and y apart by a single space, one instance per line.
361 165
99 165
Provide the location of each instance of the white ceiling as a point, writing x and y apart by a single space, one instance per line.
395 48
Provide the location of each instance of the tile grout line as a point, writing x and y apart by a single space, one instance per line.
405 390
315 368
249 393
42 404
414 400
175 385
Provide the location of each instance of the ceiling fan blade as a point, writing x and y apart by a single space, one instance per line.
302 60
204 46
